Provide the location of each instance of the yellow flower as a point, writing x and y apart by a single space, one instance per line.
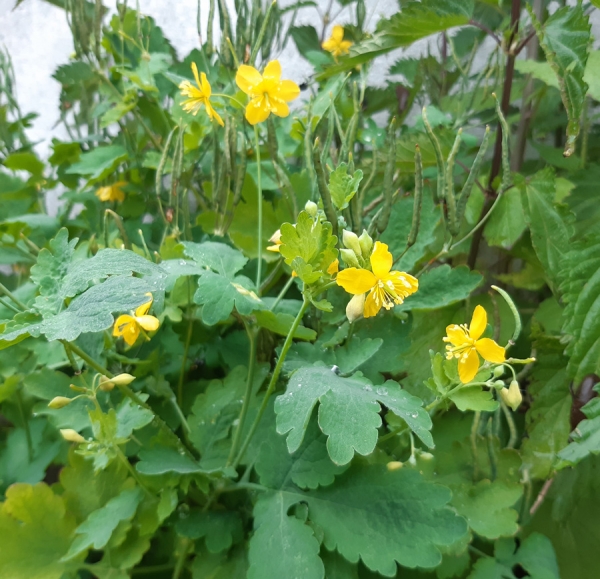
465 344
111 192
129 326
275 239
198 96
268 93
336 43
386 288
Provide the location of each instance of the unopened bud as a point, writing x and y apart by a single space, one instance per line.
498 385
512 395
394 465
349 257
498 371
311 208
426 455
71 435
351 241
59 402
122 379
106 385
366 244
355 308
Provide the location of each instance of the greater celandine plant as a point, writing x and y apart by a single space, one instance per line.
269 337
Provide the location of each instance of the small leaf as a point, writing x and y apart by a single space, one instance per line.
343 186
162 460
99 163
474 398
221 529
280 323
96 530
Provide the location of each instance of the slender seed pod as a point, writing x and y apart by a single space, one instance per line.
283 179
450 198
209 30
463 198
348 146
323 189
161 165
308 150
330 130
261 34
505 184
388 178
416 217
441 177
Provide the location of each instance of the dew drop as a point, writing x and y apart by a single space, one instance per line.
367 388
382 391
414 414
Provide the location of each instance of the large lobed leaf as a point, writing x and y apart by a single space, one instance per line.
581 292
348 411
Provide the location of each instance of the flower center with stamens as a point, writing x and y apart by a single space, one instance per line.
462 350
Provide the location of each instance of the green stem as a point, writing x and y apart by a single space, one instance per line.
14 298
273 382
474 430
9 306
185 548
247 395
132 471
86 358
260 216
282 293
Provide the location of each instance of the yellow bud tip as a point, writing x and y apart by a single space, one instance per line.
59 402
122 379
394 465
355 308
71 435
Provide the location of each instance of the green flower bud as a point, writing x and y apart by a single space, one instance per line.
355 308
498 385
366 244
311 208
512 395
59 402
351 241
498 371
394 465
349 257
71 435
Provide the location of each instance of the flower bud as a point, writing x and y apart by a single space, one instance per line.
122 379
366 244
394 465
59 402
71 435
349 257
498 385
355 307
498 371
106 385
351 241
426 455
311 208
512 395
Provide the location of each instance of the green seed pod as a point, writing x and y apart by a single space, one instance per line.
441 177
416 217
388 179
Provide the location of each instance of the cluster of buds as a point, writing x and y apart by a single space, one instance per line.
100 383
357 250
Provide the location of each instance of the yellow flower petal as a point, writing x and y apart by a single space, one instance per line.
212 114
404 283
279 108
288 90
356 281
490 351
337 33
345 47
372 304
195 71
144 308
247 77
131 333
273 70
478 323
149 323
334 267
204 85
329 45
468 366
121 323
257 111
456 335
381 260
274 248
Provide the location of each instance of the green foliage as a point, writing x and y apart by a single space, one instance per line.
268 421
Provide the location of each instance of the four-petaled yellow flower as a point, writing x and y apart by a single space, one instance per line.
466 345
386 288
129 326
111 192
268 93
198 96
336 43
